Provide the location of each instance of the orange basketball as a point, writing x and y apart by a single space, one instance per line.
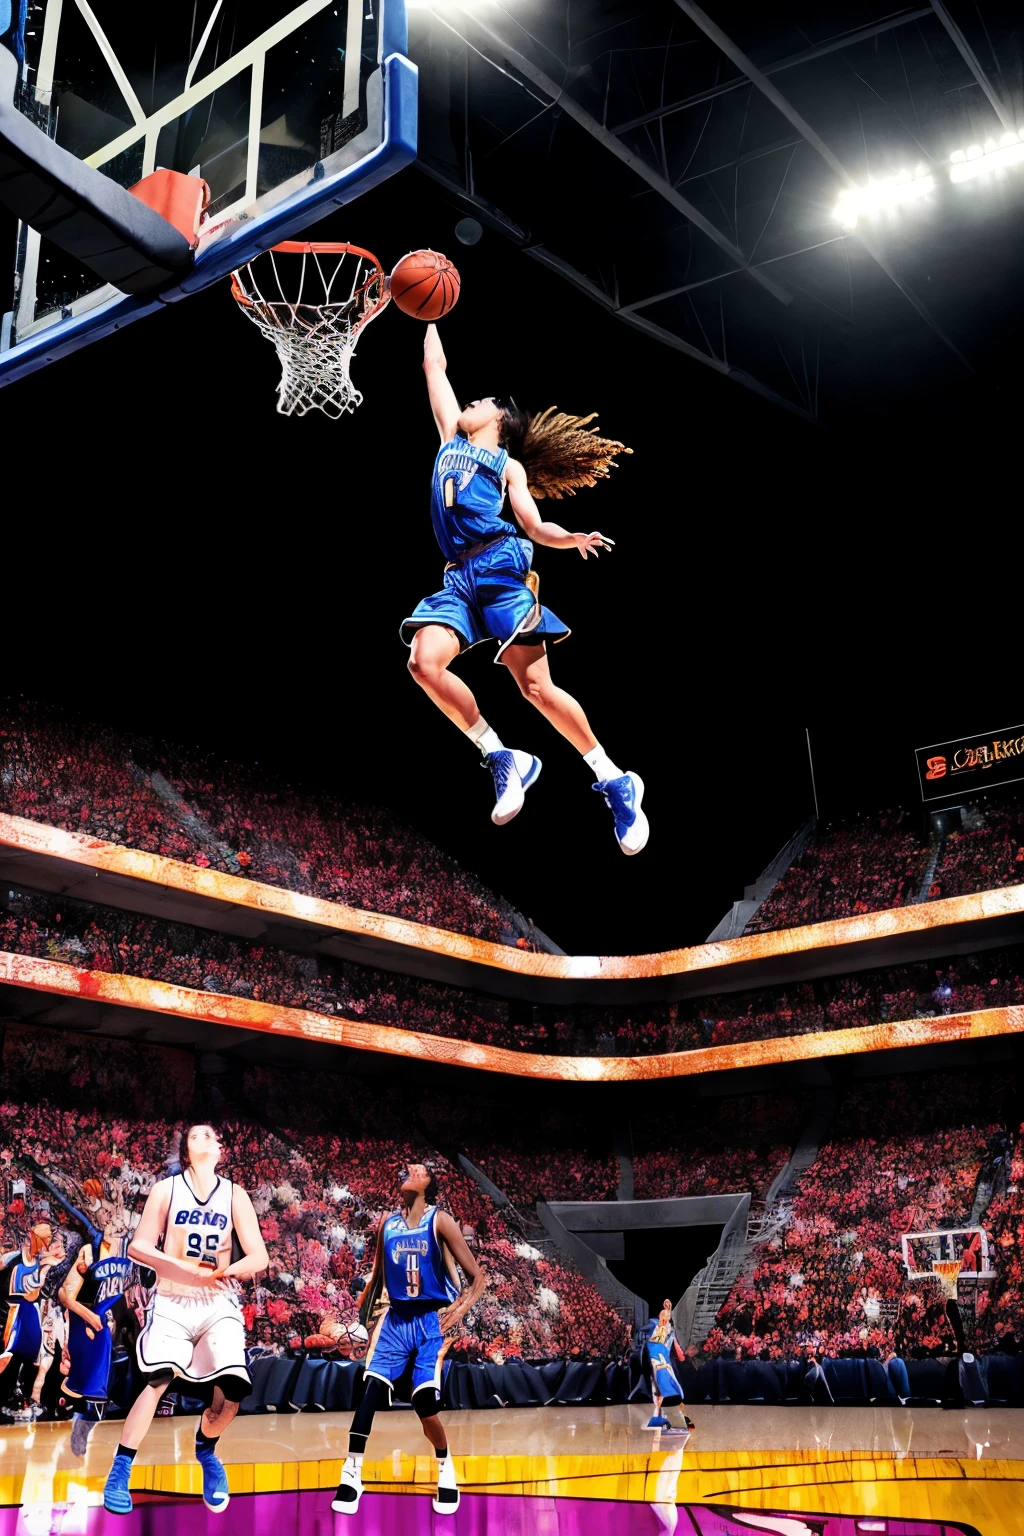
425 285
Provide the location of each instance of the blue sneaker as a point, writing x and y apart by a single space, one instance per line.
215 1483
658 1421
513 773
623 797
116 1498
81 1429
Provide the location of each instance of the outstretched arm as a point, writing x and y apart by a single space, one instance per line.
442 397
68 1293
92 1231
536 528
448 1231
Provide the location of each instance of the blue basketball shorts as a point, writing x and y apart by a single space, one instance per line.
23 1334
665 1383
487 598
89 1375
398 1342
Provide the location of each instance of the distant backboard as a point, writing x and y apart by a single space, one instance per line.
286 110
968 1244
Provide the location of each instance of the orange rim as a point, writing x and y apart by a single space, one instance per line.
327 248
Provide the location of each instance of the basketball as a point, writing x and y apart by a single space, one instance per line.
425 285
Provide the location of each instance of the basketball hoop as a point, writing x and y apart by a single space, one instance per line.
947 1272
312 300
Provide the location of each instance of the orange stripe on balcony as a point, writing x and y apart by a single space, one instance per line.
242 1013
274 901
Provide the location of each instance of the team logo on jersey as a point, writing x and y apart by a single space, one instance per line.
201 1219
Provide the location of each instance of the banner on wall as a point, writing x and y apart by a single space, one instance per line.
971 764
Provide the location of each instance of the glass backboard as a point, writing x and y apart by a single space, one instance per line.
286 110
969 1245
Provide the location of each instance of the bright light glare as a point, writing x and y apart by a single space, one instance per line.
983 160
883 195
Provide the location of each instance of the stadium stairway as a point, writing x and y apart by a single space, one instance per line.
748 1229
936 843
736 919
554 1241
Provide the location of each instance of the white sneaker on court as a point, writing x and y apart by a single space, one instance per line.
350 1490
446 1500
513 773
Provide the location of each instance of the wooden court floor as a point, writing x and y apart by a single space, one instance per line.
890 1463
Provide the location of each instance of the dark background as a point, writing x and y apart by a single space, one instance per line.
178 559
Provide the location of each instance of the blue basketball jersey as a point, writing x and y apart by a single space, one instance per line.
25 1280
104 1282
414 1269
467 496
661 1353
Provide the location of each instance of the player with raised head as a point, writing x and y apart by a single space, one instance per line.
665 1388
200 1234
490 592
23 1272
90 1292
411 1302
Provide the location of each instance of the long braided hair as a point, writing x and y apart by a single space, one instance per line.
559 452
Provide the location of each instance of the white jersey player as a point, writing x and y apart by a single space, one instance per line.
200 1234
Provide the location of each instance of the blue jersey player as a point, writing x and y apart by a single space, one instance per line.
24 1272
665 1388
91 1291
416 1301
492 450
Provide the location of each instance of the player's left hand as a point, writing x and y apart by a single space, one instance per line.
590 543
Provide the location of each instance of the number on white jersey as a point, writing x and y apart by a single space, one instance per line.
195 1245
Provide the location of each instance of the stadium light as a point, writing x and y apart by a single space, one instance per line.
987 159
884 195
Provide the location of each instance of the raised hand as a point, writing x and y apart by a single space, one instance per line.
590 543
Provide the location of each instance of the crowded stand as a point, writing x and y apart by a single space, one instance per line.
91 1109
229 817
864 866
721 1146
834 1279
987 852
882 861
555 1155
99 938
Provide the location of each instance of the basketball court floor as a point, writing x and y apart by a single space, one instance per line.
556 1471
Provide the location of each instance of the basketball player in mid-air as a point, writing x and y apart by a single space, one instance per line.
414 1296
200 1234
490 593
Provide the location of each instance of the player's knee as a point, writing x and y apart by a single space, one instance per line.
427 1403
424 669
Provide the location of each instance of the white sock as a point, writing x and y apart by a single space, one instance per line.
483 737
601 765
357 1461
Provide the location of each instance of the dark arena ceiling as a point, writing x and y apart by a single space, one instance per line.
684 168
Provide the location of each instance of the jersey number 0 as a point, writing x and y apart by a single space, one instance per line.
412 1275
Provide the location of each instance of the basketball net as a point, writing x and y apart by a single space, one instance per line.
947 1272
313 300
